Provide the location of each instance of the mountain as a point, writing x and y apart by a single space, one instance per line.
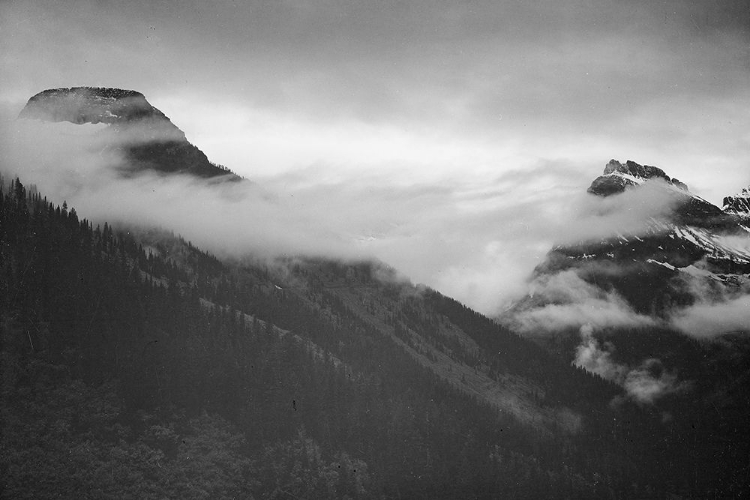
147 139
660 308
657 267
617 177
141 366
739 204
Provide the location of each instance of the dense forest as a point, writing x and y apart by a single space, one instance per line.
135 365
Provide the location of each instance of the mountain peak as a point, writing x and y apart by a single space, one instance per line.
738 204
151 142
617 177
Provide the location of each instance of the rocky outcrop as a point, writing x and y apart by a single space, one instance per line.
636 170
618 177
146 137
739 204
607 185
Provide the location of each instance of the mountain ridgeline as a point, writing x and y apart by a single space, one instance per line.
141 366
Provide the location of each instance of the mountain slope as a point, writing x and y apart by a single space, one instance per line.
661 311
693 244
146 137
341 360
739 204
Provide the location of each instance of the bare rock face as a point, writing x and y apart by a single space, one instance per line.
738 204
147 138
618 177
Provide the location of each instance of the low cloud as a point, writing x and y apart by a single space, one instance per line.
709 320
650 381
78 164
591 356
643 384
631 212
721 304
474 238
567 301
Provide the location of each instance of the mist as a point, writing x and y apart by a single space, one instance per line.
83 165
477 239
474 240
643 384
470 130
707 320
570 302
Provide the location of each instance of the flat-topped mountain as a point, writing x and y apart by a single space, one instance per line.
90 105
145 135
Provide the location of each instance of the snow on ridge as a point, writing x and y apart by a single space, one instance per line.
665 264
726 247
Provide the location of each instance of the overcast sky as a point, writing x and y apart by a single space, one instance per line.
452 139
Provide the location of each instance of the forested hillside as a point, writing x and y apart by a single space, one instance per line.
135 365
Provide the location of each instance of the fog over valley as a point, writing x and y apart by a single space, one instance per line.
359 250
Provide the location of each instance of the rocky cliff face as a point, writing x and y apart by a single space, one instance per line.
739 204
689 208
147 138
617 177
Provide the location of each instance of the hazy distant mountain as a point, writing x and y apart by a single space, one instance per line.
147 138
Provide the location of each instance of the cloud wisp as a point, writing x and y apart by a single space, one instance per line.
707 320
644 384
567 301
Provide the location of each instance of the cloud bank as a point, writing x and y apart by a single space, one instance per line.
570 302
707 320
452 140
517 82
474 239
81 165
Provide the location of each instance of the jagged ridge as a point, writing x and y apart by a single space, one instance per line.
618 177
739 204
658 259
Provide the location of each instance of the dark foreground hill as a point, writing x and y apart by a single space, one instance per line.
135 365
